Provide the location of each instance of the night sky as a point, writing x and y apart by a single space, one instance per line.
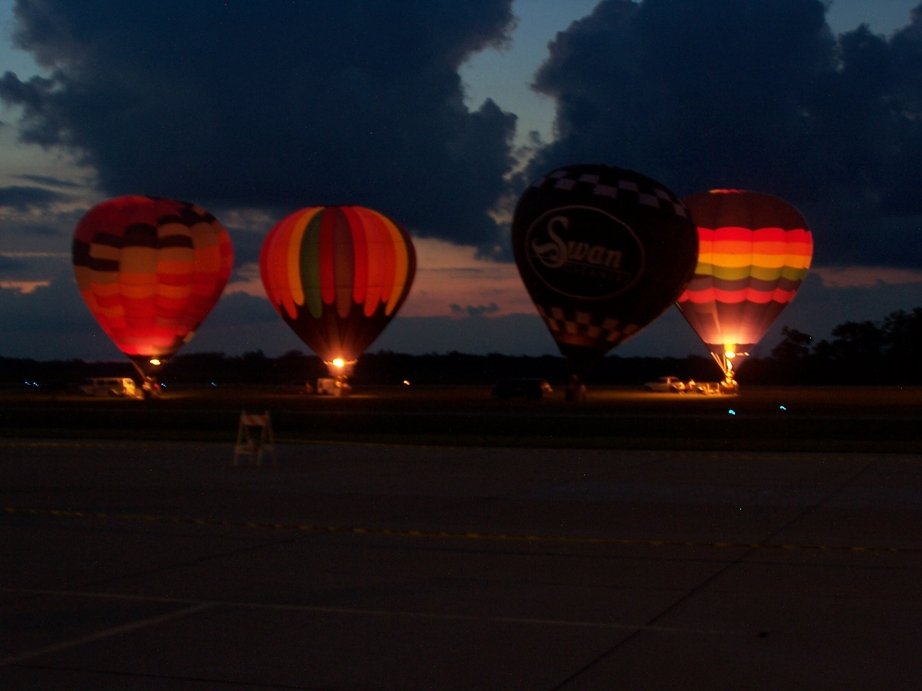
439 113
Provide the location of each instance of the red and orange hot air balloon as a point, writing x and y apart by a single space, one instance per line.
754 251
150 270
337 275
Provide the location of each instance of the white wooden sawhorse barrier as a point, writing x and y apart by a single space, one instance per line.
254 438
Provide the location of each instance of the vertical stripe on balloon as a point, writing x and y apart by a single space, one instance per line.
357 222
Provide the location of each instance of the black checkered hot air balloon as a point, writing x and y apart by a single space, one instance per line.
602 252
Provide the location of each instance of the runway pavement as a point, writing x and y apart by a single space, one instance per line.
145 565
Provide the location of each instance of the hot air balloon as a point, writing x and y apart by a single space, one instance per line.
150 270
337 275
602 252
755 250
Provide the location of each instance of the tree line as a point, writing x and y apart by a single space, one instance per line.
888 351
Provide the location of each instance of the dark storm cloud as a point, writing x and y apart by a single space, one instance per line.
52 323
52 228
21 198
247 246
24 270
10 265
752 94
56 306
274 104
474 310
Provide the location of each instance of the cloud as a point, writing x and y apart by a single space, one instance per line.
29 267
752 94
37 222
49 181
8 264
274 105
474 310
23 198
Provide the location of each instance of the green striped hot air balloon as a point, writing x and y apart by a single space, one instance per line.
337 275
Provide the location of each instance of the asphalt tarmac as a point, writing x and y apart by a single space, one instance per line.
133 564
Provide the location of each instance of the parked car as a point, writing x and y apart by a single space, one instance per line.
666 385
522 388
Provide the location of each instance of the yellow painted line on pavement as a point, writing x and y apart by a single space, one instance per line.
447 534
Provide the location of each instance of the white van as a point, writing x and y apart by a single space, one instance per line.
328 386
121 387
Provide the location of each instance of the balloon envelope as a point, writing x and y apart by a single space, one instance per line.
150 270
337 275
755 250
602 252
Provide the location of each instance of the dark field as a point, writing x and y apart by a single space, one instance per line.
759 418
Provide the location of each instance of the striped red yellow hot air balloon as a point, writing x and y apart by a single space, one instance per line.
337 275
150 270
754 251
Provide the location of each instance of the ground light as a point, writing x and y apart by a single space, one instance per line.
725 361
150 382
340 370
340 367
